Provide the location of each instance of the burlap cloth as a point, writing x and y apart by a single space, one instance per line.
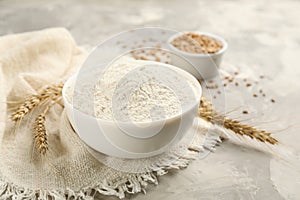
28 62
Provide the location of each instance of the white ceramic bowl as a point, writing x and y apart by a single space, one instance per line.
202 66
107 137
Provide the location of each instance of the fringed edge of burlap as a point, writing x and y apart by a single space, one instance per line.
129 184
132 184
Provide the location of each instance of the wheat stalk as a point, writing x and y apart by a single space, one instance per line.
50 92
207 113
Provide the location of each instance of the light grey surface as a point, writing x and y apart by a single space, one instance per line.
262 35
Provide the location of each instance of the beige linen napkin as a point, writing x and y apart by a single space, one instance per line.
28 62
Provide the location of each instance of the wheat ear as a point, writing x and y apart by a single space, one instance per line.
40 133
207 113
51 92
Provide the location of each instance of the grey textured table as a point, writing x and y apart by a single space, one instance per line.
263 35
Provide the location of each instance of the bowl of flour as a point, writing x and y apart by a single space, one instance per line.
131 108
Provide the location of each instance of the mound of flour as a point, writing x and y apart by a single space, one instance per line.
131 90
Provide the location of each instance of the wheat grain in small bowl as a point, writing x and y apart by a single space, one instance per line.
202 52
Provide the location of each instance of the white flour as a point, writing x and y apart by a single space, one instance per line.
139 91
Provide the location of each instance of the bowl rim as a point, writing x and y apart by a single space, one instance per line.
165 120
219 38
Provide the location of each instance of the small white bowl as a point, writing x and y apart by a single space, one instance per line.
202 66
107 137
